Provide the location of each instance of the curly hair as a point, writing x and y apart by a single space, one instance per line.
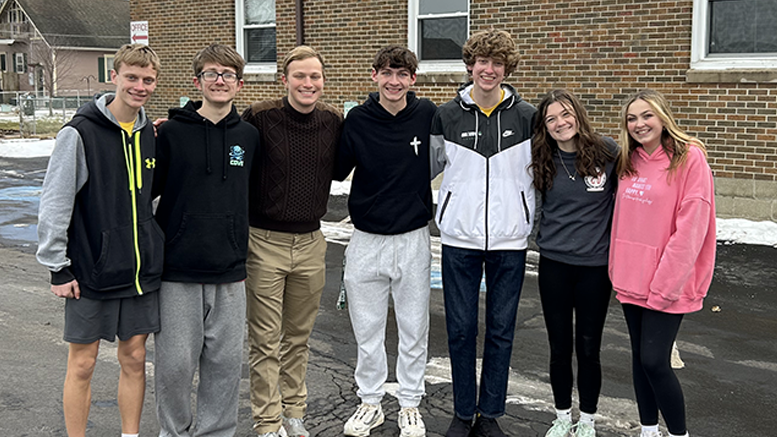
496 44
395 57
592 152
674 142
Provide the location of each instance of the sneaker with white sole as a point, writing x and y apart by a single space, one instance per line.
560 428
650 434
410 423
269 434
366 418
583 429
294 427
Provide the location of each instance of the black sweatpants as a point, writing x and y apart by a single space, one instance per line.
655 384
584 290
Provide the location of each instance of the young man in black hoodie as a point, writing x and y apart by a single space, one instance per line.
387 140
204 155
97 236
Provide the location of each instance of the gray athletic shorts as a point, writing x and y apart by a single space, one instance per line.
89 320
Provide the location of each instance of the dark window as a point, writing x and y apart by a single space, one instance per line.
442 29
260 45
259 31
442 38
743 26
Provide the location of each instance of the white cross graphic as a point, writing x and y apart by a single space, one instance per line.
415 143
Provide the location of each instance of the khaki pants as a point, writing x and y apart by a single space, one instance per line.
286 274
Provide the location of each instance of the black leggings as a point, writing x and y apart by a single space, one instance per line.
655 384
586 290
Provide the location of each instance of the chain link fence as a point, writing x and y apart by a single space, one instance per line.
27 115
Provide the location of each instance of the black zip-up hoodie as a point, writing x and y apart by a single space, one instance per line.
202 177
110 242
390 191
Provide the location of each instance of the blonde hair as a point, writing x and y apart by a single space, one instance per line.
300 53
495 44
139 55
674 142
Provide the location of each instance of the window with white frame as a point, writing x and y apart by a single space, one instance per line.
104 67
15 14
734 34
255 34
20 62
437 30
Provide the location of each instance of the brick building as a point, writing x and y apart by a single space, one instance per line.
715 60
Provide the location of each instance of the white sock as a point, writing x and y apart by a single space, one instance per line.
129 435
674 435
587 418
648 430
565 415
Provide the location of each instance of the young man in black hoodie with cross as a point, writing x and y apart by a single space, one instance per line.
386 139
204 155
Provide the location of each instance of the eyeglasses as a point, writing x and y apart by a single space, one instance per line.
212 76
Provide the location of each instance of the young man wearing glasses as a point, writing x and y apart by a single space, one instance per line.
203 163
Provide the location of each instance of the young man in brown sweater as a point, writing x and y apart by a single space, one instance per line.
290 183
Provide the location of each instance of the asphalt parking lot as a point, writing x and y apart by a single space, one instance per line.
730 379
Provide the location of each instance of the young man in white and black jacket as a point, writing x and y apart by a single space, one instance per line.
386 140
482 141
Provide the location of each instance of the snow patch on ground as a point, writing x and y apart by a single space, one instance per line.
26 148
741 231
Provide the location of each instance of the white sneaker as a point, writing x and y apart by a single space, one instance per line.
294 427
410 423
583 429
366 418
560 428
650 434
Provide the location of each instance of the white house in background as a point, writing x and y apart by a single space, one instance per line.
60 47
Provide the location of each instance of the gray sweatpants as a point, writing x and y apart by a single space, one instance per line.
378 266
201 324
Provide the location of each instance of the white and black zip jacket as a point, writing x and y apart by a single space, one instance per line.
486 200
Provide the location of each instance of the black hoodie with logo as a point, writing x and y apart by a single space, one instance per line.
202 174
390 192
95 223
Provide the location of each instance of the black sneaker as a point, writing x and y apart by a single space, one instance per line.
459 427
486 427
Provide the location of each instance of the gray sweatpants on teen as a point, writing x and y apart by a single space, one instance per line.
201 324
378 266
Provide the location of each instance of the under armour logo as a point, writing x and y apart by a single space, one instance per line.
415 143
150 162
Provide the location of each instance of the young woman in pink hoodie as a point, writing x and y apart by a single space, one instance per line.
662 249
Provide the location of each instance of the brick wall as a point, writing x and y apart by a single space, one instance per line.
603 50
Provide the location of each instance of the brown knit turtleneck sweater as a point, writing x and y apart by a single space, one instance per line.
292 174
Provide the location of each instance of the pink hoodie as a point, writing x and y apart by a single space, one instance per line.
662 247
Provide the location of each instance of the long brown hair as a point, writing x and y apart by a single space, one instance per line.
674 142
591 150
